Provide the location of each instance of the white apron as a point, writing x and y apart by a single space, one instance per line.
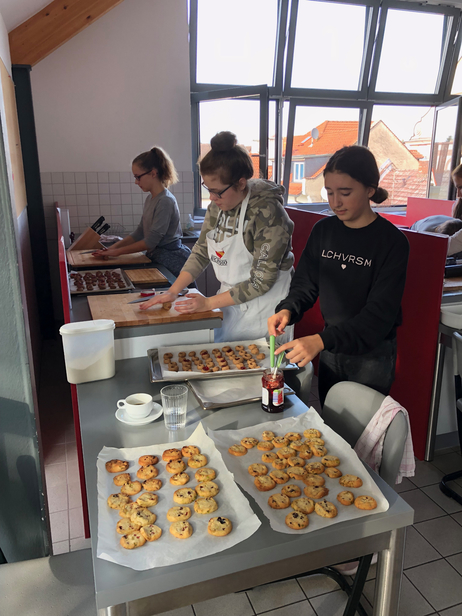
232 263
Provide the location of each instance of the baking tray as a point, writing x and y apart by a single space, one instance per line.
98 291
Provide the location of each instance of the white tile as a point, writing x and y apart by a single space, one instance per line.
114 177
188 187
83 222
116 220
105 210
92 177
136 189
57 177
127 210
116 210
74 495
57 499
236 604
45 177
74 222
55 475
69 189
127 221
82 199
116 200
105 199
80 177
137 199
137 209
179 199
126 199
93 210
60 547
68 177
76 528
92 189
58 189
187 176
55 454
331 604
82 210
103 188
80 189
270 596
93 199
188 198
103 176
125 189
114 188
125 176
47 189
59 524
80 544
314 585
71 200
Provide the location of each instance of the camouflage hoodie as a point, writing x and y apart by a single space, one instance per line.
267 236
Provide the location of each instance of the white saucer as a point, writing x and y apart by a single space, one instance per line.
156 412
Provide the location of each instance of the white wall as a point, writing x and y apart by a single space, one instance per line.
4 46
116 89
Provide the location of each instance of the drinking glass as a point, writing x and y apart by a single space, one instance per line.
174 403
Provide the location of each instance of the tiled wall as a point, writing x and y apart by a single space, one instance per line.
114 195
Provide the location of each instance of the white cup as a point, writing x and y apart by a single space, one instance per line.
136 406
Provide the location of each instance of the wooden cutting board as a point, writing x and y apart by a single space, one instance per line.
452 284
117 308
149 275
78 259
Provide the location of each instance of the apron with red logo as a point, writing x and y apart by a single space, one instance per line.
232 263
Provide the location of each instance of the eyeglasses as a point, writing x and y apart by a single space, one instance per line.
138 177
216 193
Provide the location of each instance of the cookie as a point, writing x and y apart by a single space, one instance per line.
116 501
132 540
205 474
205 505
184 496
264 483
126 510
296 472
179 479
119 480
175 514
291 490
151 532
131 487
315 491
143 517
147 472
314 480
312 432
125 526
350 481
346 498
279 476
315 442
219 527
303 505
190 450
197 461
297 520
293 436
147 499
171 454
181 529
333 472
305 452
269 457
279 464
297 444
249 442
285 452
296 461
207 488
257 469
325 509
175 466
318 450
365 502
237 450
314 468
330 461
280 441
267 435
116 466
146 460
152 485
279 501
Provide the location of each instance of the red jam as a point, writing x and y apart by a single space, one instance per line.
272 399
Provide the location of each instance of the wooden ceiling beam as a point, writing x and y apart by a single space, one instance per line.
53 26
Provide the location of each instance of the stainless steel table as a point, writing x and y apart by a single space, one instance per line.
265 557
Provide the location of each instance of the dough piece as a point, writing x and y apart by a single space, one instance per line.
333 472
365 502
303 505
249 442
219 527
146 460
171 454
269 457
179 479
279 476
291 490
116 466
279 464
279 501
205 474
131 487
190 450
346 498
117 501
280 441
147 472
296 472
192 354
147 499
293 436
261 356
297 520
314 480
167 306
197 461
125 526
152 485
314 468
175 514
315 492
132 540
350 481
265 446
205 505
330 461
296 461
119 480
264 483
151 532
325 509
286 452
257 469
143 517
237 450
181 530
207 488
268 435
185 496
175 466
312 432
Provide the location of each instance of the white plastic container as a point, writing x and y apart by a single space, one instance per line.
89 350
451 315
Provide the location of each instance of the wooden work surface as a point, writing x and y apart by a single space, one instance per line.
124 314
78 259
452 284
149 275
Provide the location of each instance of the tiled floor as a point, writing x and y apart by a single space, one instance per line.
432 581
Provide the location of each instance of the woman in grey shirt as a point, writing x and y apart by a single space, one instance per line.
159 232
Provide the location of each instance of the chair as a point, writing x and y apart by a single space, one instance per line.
457 354
300 381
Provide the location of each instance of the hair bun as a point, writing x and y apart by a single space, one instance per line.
380 195
224 141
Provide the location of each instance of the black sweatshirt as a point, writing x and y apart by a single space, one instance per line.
359 276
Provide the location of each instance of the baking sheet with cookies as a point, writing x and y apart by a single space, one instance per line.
335 445
168 550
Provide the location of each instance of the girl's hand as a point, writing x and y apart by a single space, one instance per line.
108 252
162 298
302 350
194 302
277 323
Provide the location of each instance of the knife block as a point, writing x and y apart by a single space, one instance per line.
88 239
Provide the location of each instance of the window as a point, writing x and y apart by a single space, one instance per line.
298 171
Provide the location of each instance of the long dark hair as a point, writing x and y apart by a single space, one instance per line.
158 159
457 209
227 159
359 163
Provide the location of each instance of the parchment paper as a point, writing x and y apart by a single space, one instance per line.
335 444
169 550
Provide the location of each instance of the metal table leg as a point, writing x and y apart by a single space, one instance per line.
389 573
435 400
114 610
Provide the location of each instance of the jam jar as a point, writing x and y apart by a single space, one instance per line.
272 399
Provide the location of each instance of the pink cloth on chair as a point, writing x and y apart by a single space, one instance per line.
370 444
